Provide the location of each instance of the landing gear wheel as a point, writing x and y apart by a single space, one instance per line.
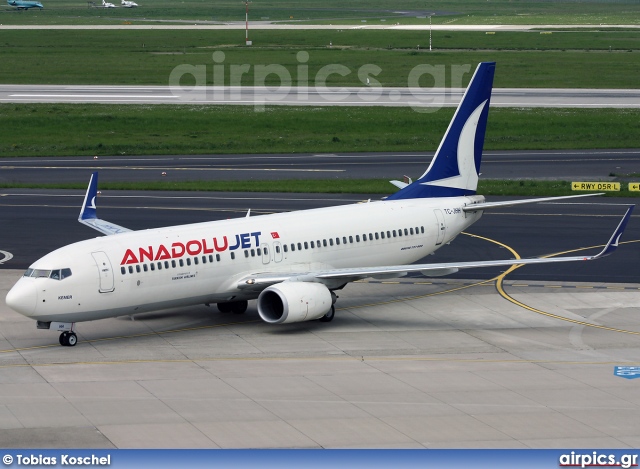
224 307
239 307
72 339
329 316
63 338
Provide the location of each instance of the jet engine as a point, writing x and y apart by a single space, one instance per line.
294 302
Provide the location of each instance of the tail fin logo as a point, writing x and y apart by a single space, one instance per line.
467 175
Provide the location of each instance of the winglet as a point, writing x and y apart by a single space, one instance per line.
615 237
88 210
88 213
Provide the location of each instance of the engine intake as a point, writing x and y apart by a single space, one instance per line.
294 302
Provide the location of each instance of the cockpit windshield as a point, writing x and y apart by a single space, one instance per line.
57 274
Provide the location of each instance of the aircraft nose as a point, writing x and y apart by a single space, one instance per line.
22 298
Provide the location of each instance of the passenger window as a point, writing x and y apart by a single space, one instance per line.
217 258
410 230
399 232
306 245
293 247
338 241
286 249
377 237
382 234
153 267
130 269
188 261
138 268
166 264
246 253
299 247
422 229
266 253
388 234
233 255
370 237
394 233
357 238
123 270
204 259
159 265
312 245
364 237
195 260
344 240
406 233
324 243
144 267
173 264
278 249
259 252
253 253
330 241
181 263
351 239
318 243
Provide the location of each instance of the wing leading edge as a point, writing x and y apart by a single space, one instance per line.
260 281
88 213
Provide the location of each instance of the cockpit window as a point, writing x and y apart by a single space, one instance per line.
57 274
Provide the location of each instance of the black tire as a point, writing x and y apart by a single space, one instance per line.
329 316
63 338
239 307
224 307
72 339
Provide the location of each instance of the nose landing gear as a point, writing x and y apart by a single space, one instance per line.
68 339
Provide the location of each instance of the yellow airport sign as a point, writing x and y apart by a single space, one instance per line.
634 186
595 186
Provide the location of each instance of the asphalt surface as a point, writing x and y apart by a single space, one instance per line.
37 221
572 165
319 95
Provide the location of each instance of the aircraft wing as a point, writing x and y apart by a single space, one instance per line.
508 203
260 281
88 214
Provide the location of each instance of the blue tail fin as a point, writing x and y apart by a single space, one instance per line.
455 167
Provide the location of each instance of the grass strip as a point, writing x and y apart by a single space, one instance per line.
491 187
94 129
148 57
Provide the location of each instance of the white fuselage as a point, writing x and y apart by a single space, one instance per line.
199 263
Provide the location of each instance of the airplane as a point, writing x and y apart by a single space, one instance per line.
24 4
291 263
107 5
128 4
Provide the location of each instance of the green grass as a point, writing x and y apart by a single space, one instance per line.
530 188
563 60
340 11
93 129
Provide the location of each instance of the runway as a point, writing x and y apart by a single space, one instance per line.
408 365
522 360
319 95
568 165
268 25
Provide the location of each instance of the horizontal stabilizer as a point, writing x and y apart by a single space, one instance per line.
508 203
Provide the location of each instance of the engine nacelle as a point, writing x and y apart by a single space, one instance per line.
294 302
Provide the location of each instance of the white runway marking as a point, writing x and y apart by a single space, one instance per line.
6 256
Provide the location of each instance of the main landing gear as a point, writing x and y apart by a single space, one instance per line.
68 339
235 307
329 316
